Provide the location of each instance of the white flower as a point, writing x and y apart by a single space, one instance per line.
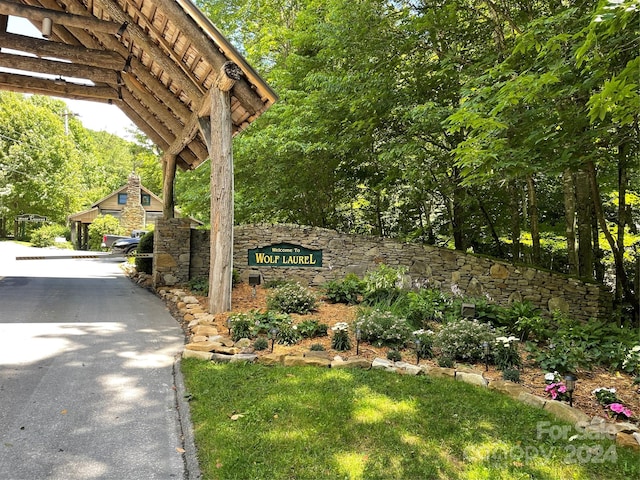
549 377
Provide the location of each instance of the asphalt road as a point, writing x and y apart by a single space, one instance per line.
86 373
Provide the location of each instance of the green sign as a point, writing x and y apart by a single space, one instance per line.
285 255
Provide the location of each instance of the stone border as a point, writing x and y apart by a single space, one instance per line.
207 344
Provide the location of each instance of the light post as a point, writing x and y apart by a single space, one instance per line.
570 382
486 349
418 343
274 332
358 337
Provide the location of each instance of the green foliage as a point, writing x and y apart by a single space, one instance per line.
145 246
511 375
199 286
260 344
312 328
291 298
241 326
464 340
525 319
426 305
394 355
423 340
46 235
505 353
383 285
606 396
340 340
445 362
103 225
382 328
265 322
631 362
317 347
349 290
288 333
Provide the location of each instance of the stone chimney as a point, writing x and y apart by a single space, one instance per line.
133 214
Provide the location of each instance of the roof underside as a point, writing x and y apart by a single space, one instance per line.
155 59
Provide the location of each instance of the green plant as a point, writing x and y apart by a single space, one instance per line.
260 344
464 340
312 328
631 362
349 290
605 396
146 246
103 225
46 235
423 341
426 305
340 340
383 328
288 333
241 324
505 353
524 318
264 322
317 347
276 282
291 298
383 285
394 355
511 375
235 278
445 362
199 286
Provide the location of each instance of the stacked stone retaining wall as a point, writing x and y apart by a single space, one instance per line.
427 266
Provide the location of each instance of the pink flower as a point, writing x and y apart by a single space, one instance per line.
620 409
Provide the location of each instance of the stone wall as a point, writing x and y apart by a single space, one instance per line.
426 265
172 252
133 214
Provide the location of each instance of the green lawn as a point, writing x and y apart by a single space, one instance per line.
254 422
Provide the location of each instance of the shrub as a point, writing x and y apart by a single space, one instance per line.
383 328
631 362
46 235
340 340
199 286
312 328
277 282
394 355
445 362
317 347
145 265
606 396
291 298
263 323
524 318
103 225
426 305
241 324
349 290
383 285
464 340
288 333
505 353
423 340
260 344
511 374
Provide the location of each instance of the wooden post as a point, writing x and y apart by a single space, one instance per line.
168 177
221 157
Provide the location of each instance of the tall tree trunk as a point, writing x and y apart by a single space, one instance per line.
459 214
533 219
514 206
492 228
622 204
570 219
584 215
618 251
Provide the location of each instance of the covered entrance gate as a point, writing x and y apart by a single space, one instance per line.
165 65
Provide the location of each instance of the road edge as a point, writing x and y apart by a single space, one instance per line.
190 457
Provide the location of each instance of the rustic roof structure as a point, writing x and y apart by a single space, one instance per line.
157 60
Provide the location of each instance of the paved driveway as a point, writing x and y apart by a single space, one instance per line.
86 373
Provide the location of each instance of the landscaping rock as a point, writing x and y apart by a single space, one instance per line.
221 358
196 354
627 440
272 359
205 330
203 346
199 338
472 378
299 361
189 299
408 368
187 317
353 362
244 357
530 399
226 350
242 343
317 354
565 412
438 372
508 388
383 364
626 427
194 323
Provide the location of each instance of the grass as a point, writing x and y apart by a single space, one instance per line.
256 422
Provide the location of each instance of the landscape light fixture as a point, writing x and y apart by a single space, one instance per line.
418 343
254 280
485 347
358 338
468 310
570 382
229 325
274 333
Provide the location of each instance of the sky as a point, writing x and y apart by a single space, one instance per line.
93 115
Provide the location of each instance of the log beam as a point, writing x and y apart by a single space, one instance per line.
168 180
37 14
221 157
56 88
76 54
52 67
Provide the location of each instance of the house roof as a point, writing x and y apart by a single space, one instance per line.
155 59
123 189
